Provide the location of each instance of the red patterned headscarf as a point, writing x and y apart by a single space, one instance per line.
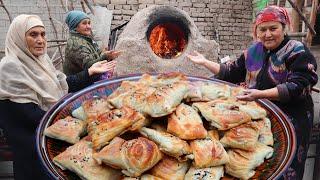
271 13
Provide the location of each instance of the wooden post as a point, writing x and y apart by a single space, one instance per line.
295 16
312 21
302 16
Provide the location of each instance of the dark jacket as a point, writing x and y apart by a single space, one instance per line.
20 121
294 93
80 53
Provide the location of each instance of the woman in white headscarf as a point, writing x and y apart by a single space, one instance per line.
29 86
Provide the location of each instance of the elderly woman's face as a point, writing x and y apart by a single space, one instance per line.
84 27
36 40
271 34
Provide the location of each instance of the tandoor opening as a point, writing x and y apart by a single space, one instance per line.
167 40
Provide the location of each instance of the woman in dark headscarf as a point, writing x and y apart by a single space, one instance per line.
81 50
279 69
29 86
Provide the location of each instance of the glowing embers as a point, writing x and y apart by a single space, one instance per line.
167 40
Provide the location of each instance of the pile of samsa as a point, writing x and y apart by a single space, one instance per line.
165 127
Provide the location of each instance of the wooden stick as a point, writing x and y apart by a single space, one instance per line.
83 7
62 4
71 7
57 45
303 18
297 34
315 89
312 21
89 6
54 28
57 40
6 10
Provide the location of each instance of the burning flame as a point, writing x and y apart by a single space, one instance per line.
167 40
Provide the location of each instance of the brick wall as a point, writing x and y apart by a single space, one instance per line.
38 7
226 21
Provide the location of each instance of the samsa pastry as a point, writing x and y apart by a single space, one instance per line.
112 124
126 89
150 177
222 114
158 98
265 133
111 154
244 136
78 159
68 129
242 163
207 91
79 113
134 156
162 79
207 153
169 144
186 123
210 173
165 98
253 109
170 168
236 90
139 155
143 177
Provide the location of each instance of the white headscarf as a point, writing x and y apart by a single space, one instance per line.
25 78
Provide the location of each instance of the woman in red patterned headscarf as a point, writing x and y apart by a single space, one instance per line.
277 68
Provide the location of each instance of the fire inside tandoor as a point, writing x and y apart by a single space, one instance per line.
167 40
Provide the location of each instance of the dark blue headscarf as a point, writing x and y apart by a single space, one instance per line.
74 18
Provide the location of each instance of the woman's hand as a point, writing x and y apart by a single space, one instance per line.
249 95
197 58
112 54
101 67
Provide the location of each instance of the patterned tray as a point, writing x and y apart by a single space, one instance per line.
283 132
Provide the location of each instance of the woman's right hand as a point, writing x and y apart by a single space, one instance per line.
101 67
197 58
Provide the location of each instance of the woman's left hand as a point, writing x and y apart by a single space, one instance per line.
112 54
250 95
101 67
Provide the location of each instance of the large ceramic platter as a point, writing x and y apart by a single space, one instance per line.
283 132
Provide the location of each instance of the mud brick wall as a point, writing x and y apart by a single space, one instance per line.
226 21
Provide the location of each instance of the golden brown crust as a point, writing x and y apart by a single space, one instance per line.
169 144
78 158
186 123
111 124
208 152
170 168
223 114
244 136
68 129
242 163
139 155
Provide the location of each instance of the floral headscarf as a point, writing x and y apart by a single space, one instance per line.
271 13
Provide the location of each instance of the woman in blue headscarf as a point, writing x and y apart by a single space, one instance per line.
81 50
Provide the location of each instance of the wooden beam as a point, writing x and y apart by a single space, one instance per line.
303 18
297 34
312 21
295 18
